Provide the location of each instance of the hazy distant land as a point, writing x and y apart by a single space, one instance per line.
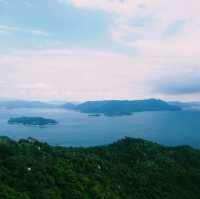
122 107
106 107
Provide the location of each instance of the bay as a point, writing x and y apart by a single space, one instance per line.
78 129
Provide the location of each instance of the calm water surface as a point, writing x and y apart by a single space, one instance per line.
79 129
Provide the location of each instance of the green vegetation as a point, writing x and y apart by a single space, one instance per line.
40 121
127 169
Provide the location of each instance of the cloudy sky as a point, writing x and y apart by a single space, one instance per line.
100 49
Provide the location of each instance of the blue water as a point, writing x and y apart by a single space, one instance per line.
79 129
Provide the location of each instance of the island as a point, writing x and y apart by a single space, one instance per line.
94 115
122 107
127 169
32 121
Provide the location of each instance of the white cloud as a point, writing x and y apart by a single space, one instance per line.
82 74
5 29
40 33
39 85
164 9
125 7
144 25
71 74
8 29
157 16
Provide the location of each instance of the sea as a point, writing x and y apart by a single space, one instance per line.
171 128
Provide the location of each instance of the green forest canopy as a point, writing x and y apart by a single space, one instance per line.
127 169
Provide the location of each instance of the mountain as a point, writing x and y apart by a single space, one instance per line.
124 107
69 106
186 105
129 168
11 104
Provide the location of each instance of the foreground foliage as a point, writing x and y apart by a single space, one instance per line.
127 169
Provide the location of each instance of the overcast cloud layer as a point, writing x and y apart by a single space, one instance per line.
100 49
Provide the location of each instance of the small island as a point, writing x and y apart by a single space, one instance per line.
94 115
32 121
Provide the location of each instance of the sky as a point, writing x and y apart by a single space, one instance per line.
77 50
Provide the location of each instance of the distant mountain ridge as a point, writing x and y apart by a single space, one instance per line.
106 107
123 107
69 106
186 105
10 104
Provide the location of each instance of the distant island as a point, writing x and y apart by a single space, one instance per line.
94 115
106 107
122 107
33 121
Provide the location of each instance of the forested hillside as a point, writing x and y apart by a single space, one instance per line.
127 169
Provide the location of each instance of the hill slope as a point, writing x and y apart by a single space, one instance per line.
127 169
